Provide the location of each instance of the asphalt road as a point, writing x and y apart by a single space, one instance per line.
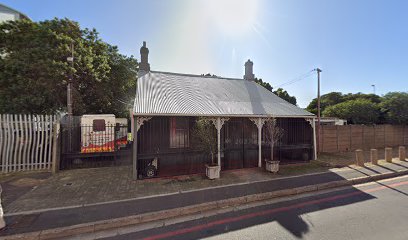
369 211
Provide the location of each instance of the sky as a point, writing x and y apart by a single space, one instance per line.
357 44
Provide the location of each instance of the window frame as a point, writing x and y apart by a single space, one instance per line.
179 132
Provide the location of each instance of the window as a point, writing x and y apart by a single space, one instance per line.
98 125
179 137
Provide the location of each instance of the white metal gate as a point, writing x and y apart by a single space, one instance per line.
26 142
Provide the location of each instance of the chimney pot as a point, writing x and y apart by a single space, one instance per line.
144 58
249 73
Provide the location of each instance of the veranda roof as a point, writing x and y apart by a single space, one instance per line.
163 94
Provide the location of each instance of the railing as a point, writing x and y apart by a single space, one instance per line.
26 142
85 146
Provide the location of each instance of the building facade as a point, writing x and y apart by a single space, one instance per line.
168 105
10 14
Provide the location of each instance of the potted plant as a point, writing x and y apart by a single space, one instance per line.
273 134
205 140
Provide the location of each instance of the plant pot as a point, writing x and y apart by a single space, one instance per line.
212 172
305 156
272 166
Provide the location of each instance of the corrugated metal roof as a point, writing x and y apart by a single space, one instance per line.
13 10
161 93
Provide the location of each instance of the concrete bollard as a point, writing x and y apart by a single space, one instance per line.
374 156
401 153
359 158
388 154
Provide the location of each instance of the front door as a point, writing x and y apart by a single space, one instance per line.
239 139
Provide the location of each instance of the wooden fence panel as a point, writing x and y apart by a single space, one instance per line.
405 135
356 137
389 136
344 139
26 142
329 134
352 137
399 135
368 137
379 136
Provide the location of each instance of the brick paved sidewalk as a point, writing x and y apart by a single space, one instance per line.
15 185
88 186
77 215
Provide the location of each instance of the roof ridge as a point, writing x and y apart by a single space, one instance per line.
196 75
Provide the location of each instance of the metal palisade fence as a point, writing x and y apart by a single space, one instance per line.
26 142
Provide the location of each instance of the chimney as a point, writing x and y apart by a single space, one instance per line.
144 58
249 72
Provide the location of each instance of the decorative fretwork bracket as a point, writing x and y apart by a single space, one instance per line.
259 122
310 121
222 121
140 121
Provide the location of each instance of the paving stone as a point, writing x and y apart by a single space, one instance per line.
90 186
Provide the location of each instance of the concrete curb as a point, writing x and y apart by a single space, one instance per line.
97 226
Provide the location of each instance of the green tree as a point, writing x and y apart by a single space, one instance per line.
263 84
352 96
280 92
34 69
122 82
209 75
285 96
326 100
395 107
358 111
334 98
204 136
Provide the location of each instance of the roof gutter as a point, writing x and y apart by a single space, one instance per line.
219 115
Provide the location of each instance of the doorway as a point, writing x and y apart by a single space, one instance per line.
239 138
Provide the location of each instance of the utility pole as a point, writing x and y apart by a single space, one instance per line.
69 86
318 70
69 97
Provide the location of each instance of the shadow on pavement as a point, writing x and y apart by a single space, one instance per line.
389 169
73 216
394 189
399 164
18 184
288 214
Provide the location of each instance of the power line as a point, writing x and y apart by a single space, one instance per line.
301 77
123 102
